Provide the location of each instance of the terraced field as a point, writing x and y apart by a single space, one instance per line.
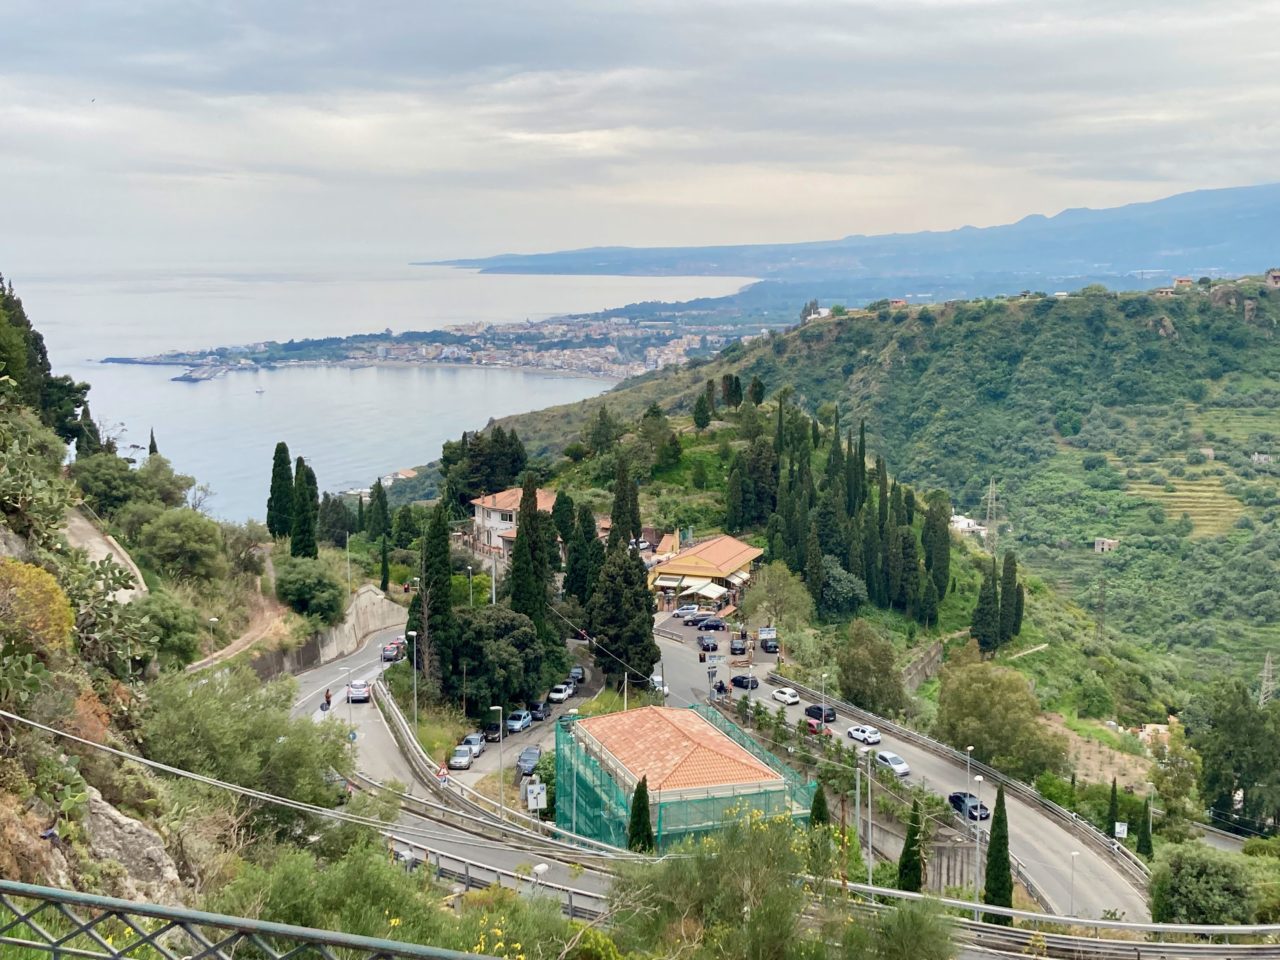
1212 510
1238 424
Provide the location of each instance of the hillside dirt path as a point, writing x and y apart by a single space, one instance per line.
267 616
82 534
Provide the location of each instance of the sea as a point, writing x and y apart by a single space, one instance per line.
353 424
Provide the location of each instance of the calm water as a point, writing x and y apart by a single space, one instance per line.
352 424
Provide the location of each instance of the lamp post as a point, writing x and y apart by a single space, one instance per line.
213 622
351 719
870 854
1072 911
413 664
471 590
502 766
539 869
977 850
824 700
1151 803
968 778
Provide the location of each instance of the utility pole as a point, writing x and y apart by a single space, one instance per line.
1268 687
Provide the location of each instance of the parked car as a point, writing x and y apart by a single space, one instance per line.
519 720
475 741
687 610
967 805
539 709
577 674
745 682
826 714
714 623
769 646
817 727
559 693
693 619
891 761
738 647
864 734
641 544
358 692
658 685
528 759
493 731
786 695
461 758
390 653
571 685
707 644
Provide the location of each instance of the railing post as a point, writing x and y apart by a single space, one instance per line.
570 904
437 865
466 876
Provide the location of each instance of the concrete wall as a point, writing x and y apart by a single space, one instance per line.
922 667
949 858
368 613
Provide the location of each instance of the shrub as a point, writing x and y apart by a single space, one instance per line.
175 625
183 544
1191 883
310 589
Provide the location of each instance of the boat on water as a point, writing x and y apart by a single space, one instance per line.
260 390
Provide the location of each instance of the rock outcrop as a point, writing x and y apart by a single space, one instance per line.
147 872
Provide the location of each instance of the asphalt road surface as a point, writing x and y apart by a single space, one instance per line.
1040 843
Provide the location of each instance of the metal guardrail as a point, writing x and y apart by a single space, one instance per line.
1131 867
65 924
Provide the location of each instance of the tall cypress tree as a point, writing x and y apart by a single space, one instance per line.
88 438
1113 810
280 499
564 516
860 459
359 514
910 863
1017 610
928 613
624 515
152 449
986 615
1144 830
302 536
640 826
998 890
577 565
528 587
852 490
756 391
1008 597
378 522
439 651
701 413
882 504
813 573
819 814
531 519
386 566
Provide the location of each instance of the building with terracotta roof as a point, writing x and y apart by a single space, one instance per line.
496 516
699 768
707 570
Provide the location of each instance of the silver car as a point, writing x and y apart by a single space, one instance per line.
891 761
461 758
475 741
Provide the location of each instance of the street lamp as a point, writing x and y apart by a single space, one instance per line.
213 622
824 699
539 869
1151 803
502 766
413 663
977 850
1072 911
350 715
471 590
870 853
968 778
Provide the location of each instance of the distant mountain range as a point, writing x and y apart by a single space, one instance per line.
1222 232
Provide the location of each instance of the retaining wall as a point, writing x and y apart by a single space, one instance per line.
368 613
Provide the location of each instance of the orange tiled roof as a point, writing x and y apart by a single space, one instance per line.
668 544
676 749
508 501
717 557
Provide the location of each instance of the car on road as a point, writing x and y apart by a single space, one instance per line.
528 759
817 727
714 623
577 674
967 805
769 646
520 720
864 734
688 610
708 644
475 741
390 653
358 692
571 685
738 647
693 619
461 758
827 713
658 685
538 709
559 693
745 682
493 731
786 695
891 761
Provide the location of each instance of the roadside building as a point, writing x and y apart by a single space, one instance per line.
715 570
1104 545
493 527
700 769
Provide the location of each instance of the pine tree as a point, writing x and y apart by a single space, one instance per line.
1017 610
910 865
998 890
1144 830
302 542
710 393
1008 597
735 392
986 615
386 566
152 449
819 815
1113 811
701 413
756 391
280 499
640 827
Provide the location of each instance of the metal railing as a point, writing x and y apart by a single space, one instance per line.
1131 867
66 924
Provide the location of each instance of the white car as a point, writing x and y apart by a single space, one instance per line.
559 693
475 741
864 734
658 685
688 610
786 695
891 761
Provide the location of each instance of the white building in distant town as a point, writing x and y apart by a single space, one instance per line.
496 516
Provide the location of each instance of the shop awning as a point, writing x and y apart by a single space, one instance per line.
704 588
738 578
667 581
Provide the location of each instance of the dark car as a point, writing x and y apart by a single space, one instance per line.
707 644
967 805
493 731
528 759
825 714
745 682
538 709
769 646
738 647
714 623
577 674
696 618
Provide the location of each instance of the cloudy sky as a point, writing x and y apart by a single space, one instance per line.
287 132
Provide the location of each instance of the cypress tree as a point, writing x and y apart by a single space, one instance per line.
735 392
620 618
152 449
701 413
360 513
1113 811
379 519
834 473
756 391
576 566
302 535
640 827
910 865
998 891
860 461
909 504
813 574
386 566
819 815
564 516
1008 597
530 517
550 543
882 505
1144 830
893 566
439 651
852 491
280 499
528 589
710 393
928 602
1017 610
986 615
872 568
909 595
624 515
88 439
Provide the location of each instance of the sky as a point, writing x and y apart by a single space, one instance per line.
247 135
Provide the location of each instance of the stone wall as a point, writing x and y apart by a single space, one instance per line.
368 613
922 667
949 858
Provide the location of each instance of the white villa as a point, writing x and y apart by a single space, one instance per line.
496 516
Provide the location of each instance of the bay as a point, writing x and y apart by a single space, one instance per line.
352 423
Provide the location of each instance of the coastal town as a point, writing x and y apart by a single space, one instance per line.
612 347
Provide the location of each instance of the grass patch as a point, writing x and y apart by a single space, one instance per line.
439 730
1101 733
